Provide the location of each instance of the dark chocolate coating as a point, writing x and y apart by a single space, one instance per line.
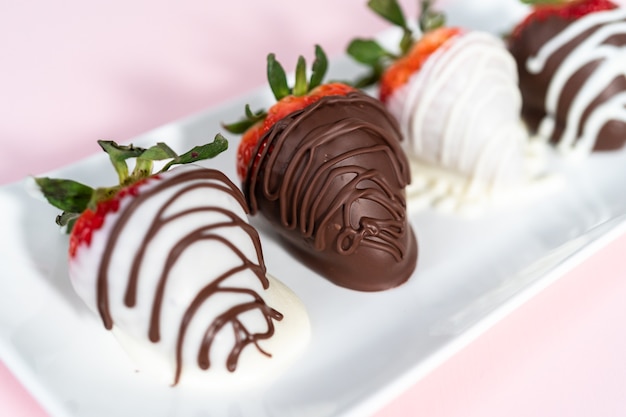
526 43
331 179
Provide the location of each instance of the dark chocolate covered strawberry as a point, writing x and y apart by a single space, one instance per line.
572 73
171 265
325 166
455 95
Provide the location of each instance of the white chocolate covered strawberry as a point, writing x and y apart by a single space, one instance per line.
173 268
455 95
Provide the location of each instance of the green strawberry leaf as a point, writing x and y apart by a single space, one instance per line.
200 153
277 78
280 88
259 115
389 10
158 152
367 51
247 122
300 88
370 78
239 127
406 42
67 195
73 197
67 219
319 68
430 19
371 53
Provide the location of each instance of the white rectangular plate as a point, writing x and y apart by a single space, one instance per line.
366 347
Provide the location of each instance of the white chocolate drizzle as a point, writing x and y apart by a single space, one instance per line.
460 115
612 64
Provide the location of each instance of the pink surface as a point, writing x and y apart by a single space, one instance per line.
74 71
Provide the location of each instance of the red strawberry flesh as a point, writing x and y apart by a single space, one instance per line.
398 73
284 107
91 221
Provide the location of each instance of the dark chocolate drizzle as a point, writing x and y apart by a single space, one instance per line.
534 86
332 179
192 180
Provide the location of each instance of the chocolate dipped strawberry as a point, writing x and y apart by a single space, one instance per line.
572 74
170 264
325 166
455 95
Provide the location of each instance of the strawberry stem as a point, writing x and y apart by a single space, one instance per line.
372 54
280 88
429 18
143 169
118 156
74 198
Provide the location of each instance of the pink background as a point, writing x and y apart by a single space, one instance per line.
75 71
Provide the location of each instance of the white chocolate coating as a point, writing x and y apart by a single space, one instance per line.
461 114
200 264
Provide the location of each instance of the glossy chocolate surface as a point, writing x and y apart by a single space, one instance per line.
534 86
331 180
